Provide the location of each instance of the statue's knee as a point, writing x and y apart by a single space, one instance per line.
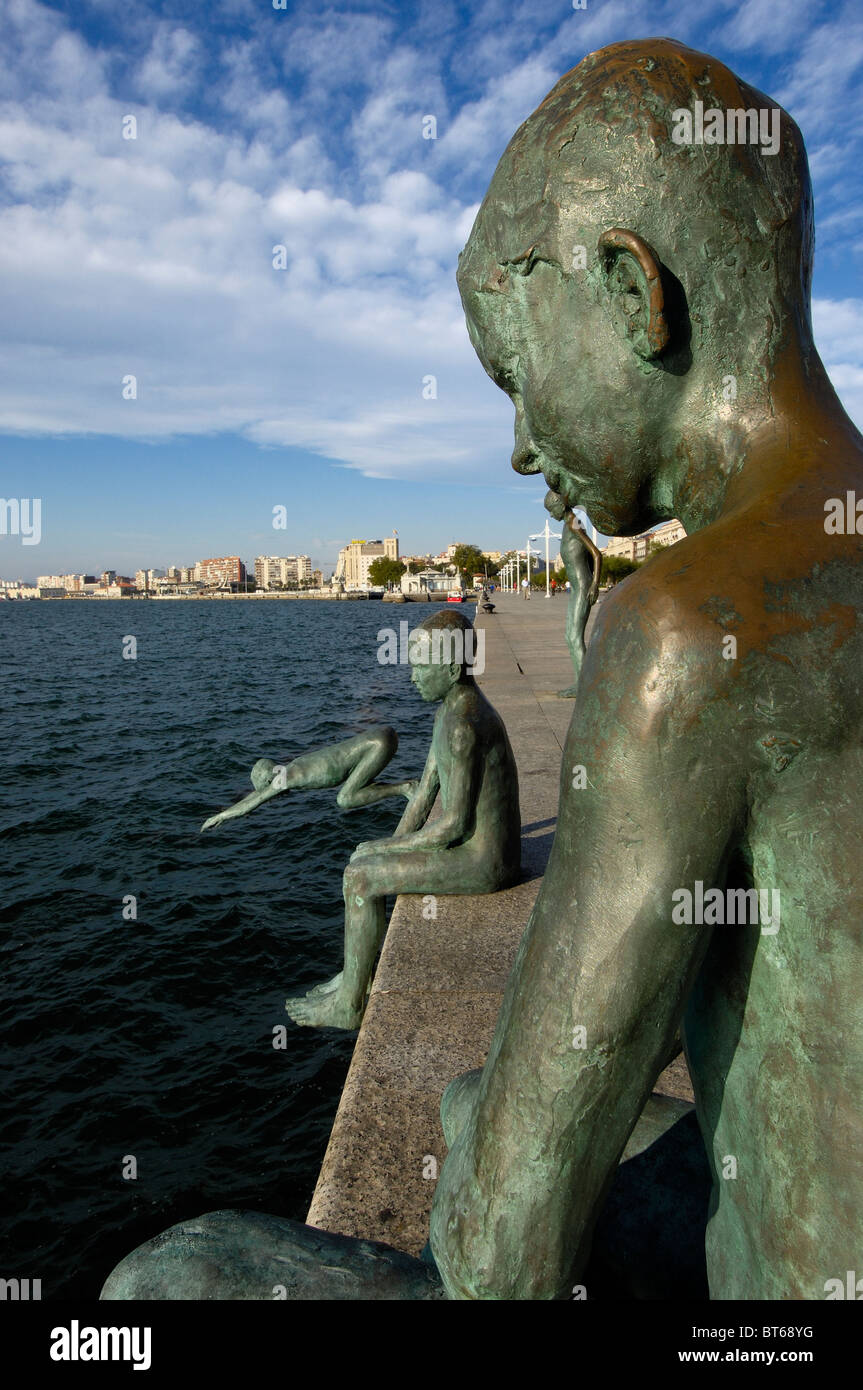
387 740
355 885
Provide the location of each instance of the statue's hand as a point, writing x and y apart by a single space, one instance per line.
214 820
410 788
373 847
367 847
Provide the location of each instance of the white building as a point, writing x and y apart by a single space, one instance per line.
636 547
355 558
146 579
70 583
272 571
427 581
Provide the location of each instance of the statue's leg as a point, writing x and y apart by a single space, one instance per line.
353 763
248 1255
457 1102
367 883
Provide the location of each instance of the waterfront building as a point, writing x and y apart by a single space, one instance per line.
352 570
18 588
635 548
69 583
274 571
145 580
427 581
222 572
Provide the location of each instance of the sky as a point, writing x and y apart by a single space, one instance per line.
260 387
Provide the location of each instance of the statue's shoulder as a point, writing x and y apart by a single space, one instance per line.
758 601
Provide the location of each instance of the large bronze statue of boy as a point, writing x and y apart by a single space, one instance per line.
645 303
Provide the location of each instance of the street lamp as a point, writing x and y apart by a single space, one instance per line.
546 534
530 551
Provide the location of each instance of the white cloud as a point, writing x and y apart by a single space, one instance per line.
771 27
171 66
154 256
838 329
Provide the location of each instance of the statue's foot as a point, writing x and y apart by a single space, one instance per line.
325 1006
570 692
247 1255
456 1103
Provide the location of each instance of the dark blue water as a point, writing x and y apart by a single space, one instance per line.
153 1038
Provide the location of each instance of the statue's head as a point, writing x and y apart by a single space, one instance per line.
440 652
632 292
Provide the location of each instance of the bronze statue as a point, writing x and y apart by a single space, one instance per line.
474 846
644 300
583 563
671 371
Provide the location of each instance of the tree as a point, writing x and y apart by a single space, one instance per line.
615 567
469 560
384 571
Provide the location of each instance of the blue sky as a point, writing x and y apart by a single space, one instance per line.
303 387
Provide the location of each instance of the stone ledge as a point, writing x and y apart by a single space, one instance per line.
439 983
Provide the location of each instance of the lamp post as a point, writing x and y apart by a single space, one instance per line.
546 535
530 551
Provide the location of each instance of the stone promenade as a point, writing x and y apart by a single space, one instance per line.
440 982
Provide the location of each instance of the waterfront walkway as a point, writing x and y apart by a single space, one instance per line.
440 982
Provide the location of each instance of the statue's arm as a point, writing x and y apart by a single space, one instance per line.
242 808
459 796
599 983
267 782
419 808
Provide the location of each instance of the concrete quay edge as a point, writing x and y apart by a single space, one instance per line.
439 983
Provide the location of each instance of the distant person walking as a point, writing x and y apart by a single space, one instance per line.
525 586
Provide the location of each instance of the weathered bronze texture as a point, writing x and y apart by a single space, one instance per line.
645 303
473 846
583 563
718 713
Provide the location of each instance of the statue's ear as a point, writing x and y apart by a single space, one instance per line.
632 274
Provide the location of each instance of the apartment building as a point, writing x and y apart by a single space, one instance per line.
222 572
355 558
273 571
